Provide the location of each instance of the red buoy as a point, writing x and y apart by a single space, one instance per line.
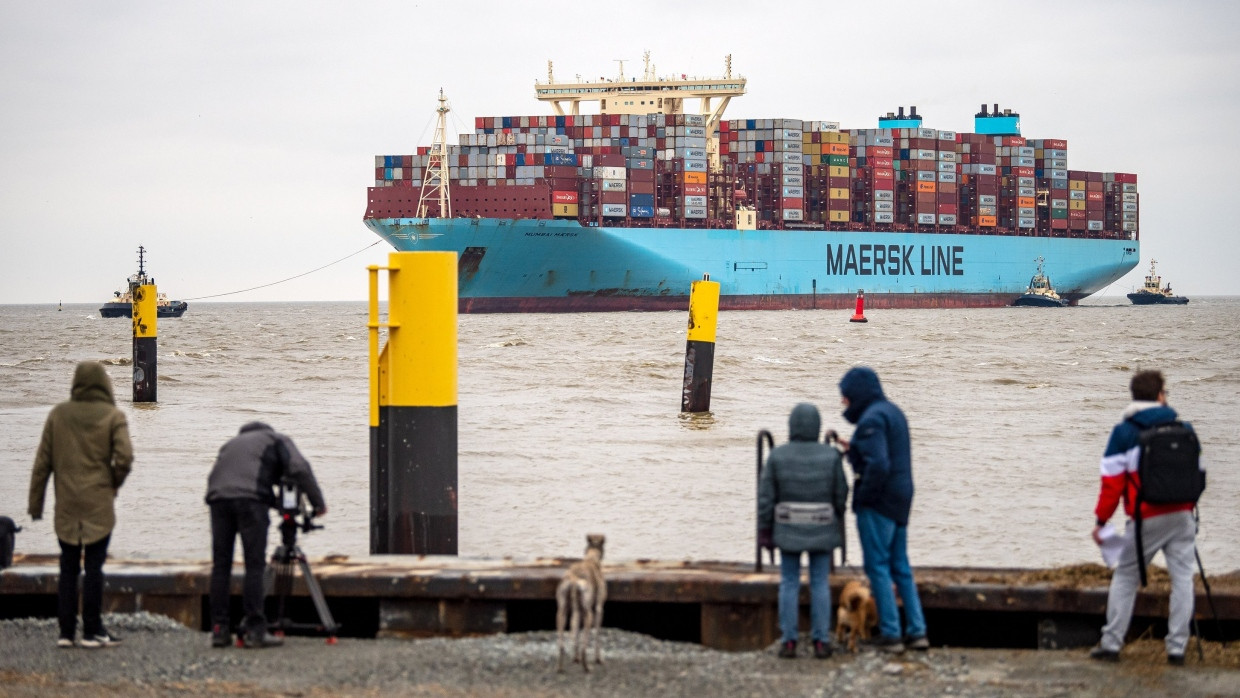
859 316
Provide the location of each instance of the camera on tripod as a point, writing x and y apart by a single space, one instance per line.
294 506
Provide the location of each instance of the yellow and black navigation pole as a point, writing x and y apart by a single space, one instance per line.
413 410
145 312
700 346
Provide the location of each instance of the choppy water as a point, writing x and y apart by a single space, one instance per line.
570 423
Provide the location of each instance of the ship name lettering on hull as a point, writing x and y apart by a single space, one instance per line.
895 260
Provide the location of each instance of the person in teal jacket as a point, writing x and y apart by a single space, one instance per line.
801 503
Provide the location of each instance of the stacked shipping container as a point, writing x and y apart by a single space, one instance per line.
654 170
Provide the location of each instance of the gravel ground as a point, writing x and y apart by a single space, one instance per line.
160 657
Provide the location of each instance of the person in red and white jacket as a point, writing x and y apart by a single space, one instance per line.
1170 528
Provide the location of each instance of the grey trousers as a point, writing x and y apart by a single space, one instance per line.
1175 535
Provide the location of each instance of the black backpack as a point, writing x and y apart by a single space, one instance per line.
7 540
1169 472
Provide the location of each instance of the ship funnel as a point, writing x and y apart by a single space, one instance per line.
996 108
901 112
912 112
983 111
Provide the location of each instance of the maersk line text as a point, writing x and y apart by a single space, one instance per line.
895 260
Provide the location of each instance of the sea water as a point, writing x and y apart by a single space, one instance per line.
571 423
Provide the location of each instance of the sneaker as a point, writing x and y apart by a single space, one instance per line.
103 639
1175 659
261 640
64 643
1104 655
788 650
822 650
890 645
220 636
919 643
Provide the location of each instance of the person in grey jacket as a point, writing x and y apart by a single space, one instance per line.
240 490
801 500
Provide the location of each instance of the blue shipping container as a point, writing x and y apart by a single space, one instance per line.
641 200
569 159
641 211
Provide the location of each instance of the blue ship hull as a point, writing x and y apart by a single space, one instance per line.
528 265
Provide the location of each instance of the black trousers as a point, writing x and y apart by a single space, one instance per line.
247 517
92 591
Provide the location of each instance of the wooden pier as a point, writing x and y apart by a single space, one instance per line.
721 605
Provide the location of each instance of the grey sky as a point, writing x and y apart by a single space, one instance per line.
236 140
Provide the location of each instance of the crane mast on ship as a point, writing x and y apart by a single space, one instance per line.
649 95
435 181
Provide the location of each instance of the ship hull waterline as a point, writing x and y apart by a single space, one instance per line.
543 266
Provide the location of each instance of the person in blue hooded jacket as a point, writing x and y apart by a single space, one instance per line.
801 500
881 459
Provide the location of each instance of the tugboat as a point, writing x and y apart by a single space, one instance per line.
1152 294
122 303
1040 293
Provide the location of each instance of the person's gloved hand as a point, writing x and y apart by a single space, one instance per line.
765 539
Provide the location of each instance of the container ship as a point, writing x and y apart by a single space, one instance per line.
624 209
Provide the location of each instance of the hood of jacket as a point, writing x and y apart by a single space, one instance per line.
254 426
804 423
860 385
1147 414
91 383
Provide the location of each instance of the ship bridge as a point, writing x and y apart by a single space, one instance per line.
648 95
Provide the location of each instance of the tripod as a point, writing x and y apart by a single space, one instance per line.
283 561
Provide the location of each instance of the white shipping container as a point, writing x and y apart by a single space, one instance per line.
926 155
615 210
1025 212
925 176
985 210
1059 203
1076 194
610 173
791 134
793 180
947 136
884 140
828 126
1026 191
986 199
947 156
986 169
695 131
1093 225
947 176
695 212
1024 222
790 157
884 206
794 192
694 201
614 185
947 167
1128 226
695 120
794 214
884 217
1024 162
926 133
794 168
884 195
1128 207
695 153
947 219
1025 182
1128 188
695 165
1129 197
925 219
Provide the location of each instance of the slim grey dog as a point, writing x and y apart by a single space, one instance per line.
580 598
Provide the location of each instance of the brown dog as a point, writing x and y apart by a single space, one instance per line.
856 615
579 599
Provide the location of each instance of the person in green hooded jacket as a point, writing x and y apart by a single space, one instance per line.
85 447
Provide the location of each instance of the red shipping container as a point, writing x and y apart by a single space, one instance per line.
838 205
884 174
1076 214
879 151
614 197
1054 144
563 197
1017 141
1093 196
1024 171
641 175
1059 223
886 163
379 172
1125 178
642 187
792 203
947 208
695 189
884 184
480 122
